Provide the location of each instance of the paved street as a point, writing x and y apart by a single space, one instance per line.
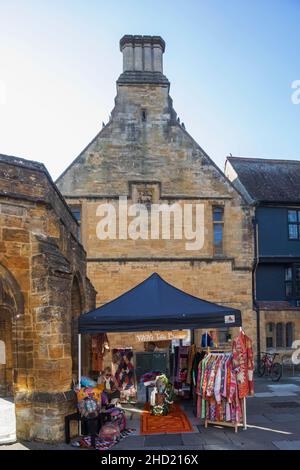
273 423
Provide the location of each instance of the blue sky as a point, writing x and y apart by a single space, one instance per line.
231 65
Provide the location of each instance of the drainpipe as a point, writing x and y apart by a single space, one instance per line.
254 300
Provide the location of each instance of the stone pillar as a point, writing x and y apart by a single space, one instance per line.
138 57
148 57
157 58
128 58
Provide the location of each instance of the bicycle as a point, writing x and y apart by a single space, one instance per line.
269 367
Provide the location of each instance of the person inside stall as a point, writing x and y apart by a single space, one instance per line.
111 387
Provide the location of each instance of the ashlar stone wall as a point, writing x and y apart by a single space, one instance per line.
40 260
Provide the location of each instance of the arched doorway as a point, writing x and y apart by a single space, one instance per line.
6 353
11 310
11 306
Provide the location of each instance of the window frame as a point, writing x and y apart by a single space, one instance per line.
77 208
221 223
289 333
293 281
296 223
283 335
271 326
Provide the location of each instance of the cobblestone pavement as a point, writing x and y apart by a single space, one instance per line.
273 416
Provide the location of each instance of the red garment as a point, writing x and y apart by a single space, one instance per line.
243 364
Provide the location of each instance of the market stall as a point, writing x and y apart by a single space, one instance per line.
155 305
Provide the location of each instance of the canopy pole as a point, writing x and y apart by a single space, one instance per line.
244 414
79 360
79 375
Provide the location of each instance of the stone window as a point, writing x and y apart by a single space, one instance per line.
289 334
270 327
294 224
279 335
76 211
144 115
218 229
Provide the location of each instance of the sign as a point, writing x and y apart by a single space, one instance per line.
153 336
229 318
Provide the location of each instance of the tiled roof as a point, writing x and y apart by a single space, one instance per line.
269 180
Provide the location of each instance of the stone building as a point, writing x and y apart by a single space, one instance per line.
43 288
146 155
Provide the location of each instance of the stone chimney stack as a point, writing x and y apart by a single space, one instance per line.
142 53
142 59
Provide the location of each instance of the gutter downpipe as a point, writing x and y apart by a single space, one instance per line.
254 300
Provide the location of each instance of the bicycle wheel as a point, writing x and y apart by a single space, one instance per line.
261 369
276 371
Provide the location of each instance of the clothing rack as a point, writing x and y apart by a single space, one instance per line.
230 424
243 403
214 350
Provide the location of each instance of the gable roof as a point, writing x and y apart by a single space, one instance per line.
268 180
154 304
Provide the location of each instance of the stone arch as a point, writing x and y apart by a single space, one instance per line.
10 292
77 306
11 307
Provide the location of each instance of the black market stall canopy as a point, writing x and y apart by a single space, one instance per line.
154 304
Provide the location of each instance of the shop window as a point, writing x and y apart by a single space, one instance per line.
279 335
289 334
270 335
218 229
294 224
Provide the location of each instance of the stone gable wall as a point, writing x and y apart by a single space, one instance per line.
144 144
